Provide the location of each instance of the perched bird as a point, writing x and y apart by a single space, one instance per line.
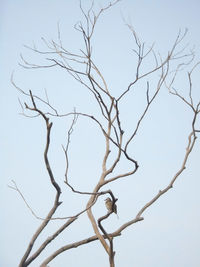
110 206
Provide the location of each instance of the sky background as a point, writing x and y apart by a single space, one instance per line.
169 234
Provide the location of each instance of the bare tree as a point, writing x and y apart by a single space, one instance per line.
82 67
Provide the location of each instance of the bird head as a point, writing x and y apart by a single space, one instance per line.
107 199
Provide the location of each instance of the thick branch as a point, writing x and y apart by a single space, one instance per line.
56 186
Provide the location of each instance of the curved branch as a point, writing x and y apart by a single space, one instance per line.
56 186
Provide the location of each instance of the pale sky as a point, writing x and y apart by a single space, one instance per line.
169 235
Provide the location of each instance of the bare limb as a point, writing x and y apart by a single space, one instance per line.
191 142
15 187
55 112
55 185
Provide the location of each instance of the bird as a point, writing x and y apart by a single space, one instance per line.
110 206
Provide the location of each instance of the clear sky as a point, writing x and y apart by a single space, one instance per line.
169 236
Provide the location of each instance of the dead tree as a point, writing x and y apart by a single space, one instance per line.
82 67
